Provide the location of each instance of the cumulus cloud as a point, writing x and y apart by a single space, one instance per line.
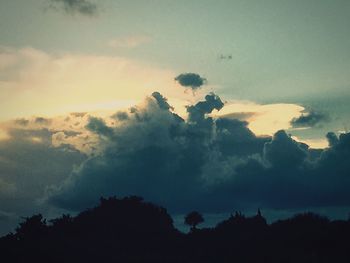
196 113
72 7
284 152
200 160
181 161
212 164
309 119
191 80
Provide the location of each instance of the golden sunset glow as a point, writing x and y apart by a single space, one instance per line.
263 119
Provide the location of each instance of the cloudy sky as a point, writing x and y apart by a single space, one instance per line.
215 105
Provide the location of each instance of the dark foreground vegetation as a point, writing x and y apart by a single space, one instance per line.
130 230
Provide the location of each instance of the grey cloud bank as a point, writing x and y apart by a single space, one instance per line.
204 163
28 164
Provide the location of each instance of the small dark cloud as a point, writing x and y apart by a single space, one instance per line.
309 119
120 116
78 114
41 120
72 7
22 122
191 80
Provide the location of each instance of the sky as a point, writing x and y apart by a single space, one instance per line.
91 92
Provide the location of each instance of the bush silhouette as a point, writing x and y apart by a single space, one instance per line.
132 230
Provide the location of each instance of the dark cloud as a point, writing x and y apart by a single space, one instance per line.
28 164
284 152
235 139
41 120
332 139
199 162
309 119
120 116
98 126
162 101
25 160
191 80
196 113
205 163
78 114
72 7
22 122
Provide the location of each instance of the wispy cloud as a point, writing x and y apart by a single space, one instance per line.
37 82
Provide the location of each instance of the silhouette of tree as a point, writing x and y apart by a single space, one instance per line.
62 226
131 230
259 213
33 227
64 220
193 219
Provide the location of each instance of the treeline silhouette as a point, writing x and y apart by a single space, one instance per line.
131 230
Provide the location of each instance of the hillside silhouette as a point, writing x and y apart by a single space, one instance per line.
132 230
